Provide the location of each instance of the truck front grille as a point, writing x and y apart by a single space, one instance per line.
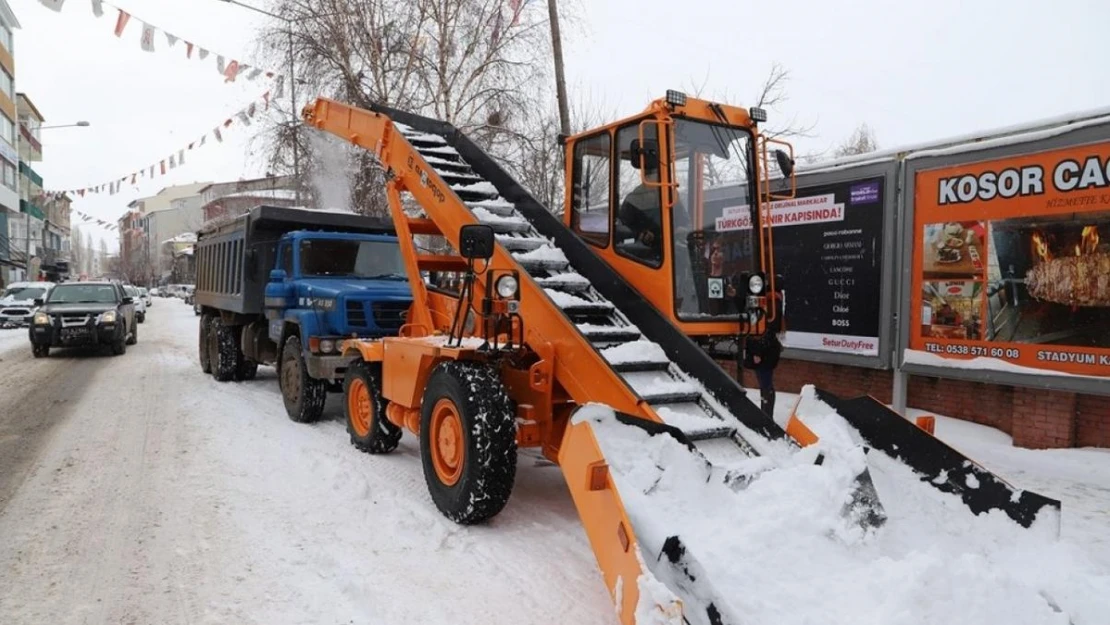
390 315
356 314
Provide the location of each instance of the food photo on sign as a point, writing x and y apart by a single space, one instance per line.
1049 280
952 310
955 249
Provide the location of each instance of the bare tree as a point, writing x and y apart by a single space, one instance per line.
861 141
77 252
473 63
89 251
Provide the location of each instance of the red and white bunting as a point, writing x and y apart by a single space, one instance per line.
147 40
53 5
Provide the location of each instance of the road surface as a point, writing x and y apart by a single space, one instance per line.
136 490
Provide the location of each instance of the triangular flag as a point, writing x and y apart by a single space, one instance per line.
216 132
232 70
203 54
55 5
266 97
202 139
121 22
163 164
133 178
243 118
81 193
181 157
171 39
254 73
269 74
147 42
188 50
173 163
190 146
251 110
152 172
227 122
98 7
220 63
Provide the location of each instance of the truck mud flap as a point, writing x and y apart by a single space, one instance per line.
941 466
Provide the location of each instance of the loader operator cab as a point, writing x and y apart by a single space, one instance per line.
641 192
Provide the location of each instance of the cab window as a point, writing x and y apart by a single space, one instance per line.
639 231
286 254
591 200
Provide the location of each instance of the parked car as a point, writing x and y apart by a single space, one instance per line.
140 304
147 299
17 303
84 314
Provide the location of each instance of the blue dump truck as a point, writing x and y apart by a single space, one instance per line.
283 287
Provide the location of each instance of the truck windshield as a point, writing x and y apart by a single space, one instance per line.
352 259
711 224
83 294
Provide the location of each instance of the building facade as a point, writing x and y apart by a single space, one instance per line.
229 199
11 267
149 222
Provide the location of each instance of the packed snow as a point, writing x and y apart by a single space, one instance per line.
565 300
487 217
635 351
918 357
543 254
933 561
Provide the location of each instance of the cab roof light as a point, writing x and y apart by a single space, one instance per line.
758 114
676 98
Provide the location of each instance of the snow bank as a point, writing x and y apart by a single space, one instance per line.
933 562
980 363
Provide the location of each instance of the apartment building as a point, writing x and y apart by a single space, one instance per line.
11 269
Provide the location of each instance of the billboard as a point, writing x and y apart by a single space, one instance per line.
828 244
1011 261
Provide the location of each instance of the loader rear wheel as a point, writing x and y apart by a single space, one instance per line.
468 441
367 424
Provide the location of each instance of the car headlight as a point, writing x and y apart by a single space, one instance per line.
108 317
327 346
755 284
42 319
507 286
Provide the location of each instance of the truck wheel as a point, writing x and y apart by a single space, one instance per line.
304 396
367 424
40 351
227 357
468 441
119 347
203 350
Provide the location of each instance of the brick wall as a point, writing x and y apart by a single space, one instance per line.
1036 419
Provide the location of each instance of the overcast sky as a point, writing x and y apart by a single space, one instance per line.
914 71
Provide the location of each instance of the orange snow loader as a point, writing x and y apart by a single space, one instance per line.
526 331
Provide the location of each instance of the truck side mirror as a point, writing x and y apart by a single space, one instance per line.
786 164
277 275
476 241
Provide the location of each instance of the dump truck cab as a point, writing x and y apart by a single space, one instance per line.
637 193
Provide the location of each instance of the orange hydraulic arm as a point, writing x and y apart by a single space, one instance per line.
576 365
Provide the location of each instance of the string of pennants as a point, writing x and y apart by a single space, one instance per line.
229 68
87 218
175 160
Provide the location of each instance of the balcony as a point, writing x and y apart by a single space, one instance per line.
35 154
35 211
32 175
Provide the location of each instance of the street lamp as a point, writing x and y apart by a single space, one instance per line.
81 124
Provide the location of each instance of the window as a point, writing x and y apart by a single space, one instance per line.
6 38
592 200
286 254
10 175
7 85
7 129
84 293
639 234
379 260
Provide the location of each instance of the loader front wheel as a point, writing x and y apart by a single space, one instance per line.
468 441
367 424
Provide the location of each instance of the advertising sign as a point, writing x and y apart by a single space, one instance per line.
828 248
1011 260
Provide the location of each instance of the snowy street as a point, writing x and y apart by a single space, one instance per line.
145 492
135 489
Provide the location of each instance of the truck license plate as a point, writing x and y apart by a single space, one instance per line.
74 333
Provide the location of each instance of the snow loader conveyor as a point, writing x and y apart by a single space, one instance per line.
644 425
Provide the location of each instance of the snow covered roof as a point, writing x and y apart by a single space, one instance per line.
185 237
272 194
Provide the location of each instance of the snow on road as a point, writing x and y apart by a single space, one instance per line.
167 497
12 338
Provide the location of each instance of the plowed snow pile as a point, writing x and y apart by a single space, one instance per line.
782 554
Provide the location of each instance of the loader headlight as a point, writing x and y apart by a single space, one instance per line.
107 317
41 319
755 284
327 346
507 286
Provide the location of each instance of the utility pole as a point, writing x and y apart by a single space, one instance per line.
560 80
27 257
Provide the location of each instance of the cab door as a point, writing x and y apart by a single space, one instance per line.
127 309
